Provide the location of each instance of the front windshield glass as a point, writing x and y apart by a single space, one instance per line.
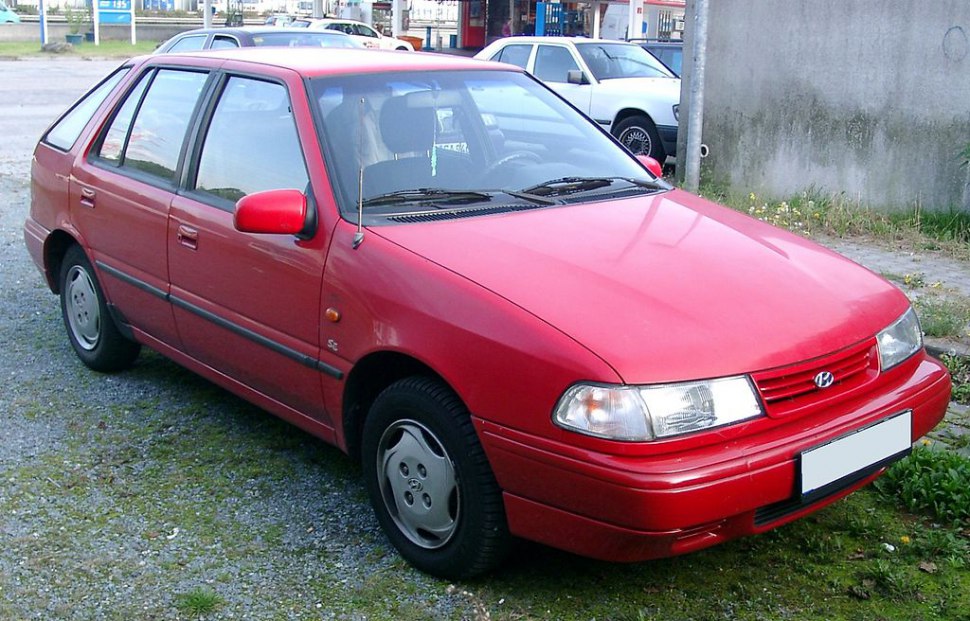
467 135
609 61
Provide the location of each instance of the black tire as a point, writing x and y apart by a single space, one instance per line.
639 135
90 327
441 506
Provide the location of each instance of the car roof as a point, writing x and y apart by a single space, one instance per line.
574 40
315 62
252 30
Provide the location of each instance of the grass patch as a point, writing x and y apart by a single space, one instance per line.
959 367
933 481
943 317
198 602
106 49
814 213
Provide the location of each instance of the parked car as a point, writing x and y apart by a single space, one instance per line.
280 20
8 15
617 84
440 267
364 33
669 52
253 36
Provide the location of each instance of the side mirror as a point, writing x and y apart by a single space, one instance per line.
576 76
652 165
282 212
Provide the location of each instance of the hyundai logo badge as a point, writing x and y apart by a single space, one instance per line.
824 379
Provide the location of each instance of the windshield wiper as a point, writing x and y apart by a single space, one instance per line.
449 197
428 195
572 185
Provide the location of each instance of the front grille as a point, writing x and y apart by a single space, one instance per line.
791 388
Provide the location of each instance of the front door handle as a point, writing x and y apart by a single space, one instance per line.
87 197
188 237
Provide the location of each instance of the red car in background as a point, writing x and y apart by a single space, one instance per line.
441 267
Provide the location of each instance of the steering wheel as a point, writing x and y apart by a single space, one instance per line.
511 157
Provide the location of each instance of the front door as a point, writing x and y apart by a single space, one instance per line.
248 305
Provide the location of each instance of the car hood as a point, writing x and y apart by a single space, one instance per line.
666 287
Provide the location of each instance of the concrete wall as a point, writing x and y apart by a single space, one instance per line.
57 28
869 97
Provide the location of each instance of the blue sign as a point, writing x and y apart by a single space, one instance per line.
114 11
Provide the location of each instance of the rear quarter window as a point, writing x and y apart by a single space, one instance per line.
65 132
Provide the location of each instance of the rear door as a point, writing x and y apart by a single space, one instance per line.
121 193
552 64
248 305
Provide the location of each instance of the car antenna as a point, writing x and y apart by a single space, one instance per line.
359 235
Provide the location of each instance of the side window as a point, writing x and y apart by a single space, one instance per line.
517 55
221 42
189 43
149 128
553 62
114 139
252 117
366 31
65 132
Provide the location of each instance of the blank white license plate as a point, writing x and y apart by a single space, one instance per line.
845 456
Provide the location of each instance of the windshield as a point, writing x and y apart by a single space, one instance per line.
409 140
609 61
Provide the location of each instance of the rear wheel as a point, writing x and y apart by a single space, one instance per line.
90 328
430 483
639 135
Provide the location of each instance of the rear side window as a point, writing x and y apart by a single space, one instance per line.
65 132
517 55
553 63
189 43
149 128
251 144
221 42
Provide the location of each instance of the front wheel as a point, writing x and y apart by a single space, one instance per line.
639 135
90 327
430 483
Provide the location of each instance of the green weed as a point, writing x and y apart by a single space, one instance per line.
943 317
933 481
959 367
199 601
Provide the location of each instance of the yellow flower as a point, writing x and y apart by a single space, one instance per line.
905 540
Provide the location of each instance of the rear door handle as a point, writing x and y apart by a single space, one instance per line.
87 197
187 236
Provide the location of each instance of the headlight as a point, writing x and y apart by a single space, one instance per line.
638 413
900 340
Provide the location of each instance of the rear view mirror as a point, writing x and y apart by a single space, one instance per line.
652 165
273 211
576 76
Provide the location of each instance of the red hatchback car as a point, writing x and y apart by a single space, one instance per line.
441 267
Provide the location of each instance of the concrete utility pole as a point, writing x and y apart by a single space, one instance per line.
695 110
207 14
317 9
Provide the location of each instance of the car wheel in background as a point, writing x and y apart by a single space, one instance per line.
430 483
91 329
639 135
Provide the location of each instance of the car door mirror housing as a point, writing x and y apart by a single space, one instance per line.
652 165
282 212
576 76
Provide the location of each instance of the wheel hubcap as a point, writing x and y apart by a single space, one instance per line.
418 484
83 310
637 140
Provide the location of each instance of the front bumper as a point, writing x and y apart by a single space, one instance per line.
630 508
